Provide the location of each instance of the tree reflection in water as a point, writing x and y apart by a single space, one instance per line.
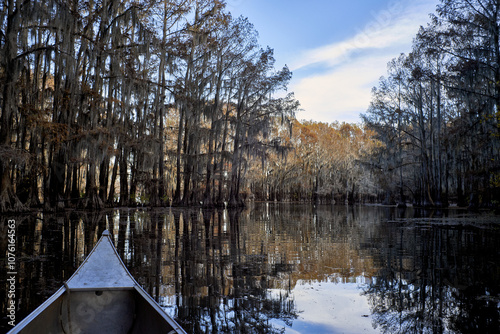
436 278
224 288
194 263
235 271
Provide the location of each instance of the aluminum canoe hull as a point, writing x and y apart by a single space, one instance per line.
100 297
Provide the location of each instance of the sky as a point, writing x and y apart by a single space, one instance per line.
336 49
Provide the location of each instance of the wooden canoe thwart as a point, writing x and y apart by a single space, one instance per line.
100 297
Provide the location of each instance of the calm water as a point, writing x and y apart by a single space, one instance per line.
277 268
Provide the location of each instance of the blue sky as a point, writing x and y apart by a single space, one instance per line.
336 49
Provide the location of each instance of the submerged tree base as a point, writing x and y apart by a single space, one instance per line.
9 202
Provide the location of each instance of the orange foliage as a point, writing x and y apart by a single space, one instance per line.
325 160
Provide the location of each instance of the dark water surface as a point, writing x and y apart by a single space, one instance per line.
280 267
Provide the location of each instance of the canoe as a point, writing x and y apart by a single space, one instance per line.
100 297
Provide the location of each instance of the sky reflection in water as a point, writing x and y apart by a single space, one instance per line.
330 307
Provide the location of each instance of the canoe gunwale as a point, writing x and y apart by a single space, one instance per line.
176 327
39 310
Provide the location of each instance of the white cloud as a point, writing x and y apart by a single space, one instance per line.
350 68
340 94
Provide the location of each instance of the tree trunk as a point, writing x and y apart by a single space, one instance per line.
234 196
124 194
177 195
220 195
111 194
93 201
8 199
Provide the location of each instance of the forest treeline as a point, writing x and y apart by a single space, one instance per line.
437 111
174 102
119 102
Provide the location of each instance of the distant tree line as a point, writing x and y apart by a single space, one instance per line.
325 165
437 112
118 102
